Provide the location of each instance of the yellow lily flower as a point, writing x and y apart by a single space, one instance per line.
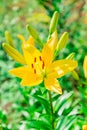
41 67
12 51
84 127
85 66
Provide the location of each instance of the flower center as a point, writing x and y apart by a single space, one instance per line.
38 65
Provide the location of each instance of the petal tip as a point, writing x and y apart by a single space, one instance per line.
60 91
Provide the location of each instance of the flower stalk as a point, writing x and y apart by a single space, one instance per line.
51 109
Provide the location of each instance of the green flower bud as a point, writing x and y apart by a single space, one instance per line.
35 35
85 66
53 23
8 38
75 75
32 31
13 53
62 42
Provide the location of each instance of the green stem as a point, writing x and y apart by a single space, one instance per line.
51 109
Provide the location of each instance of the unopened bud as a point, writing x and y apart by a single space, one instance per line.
13 53
35 35
54 40
32 31
62 42
75 75
53 23
85 66
8 38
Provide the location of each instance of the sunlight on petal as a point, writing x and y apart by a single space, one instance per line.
60 68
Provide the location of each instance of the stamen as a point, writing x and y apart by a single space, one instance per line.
40 58
32 65
35 71
43 65
35 59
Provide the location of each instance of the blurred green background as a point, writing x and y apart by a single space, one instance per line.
23 108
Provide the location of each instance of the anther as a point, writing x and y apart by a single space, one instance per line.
32 65
43 65
40 58
35 59
35 71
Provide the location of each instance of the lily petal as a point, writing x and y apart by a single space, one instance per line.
28 77
52 85
48 50
60 68
30 53
31 79
19 72
47 55
30 40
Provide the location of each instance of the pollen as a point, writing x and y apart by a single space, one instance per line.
32 65
43 65
35 71
35 59
40 58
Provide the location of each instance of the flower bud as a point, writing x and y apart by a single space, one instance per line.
35 35
53 23
53 40
8 38
32 31
62 42
75 75
85 66
70 56
13 53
